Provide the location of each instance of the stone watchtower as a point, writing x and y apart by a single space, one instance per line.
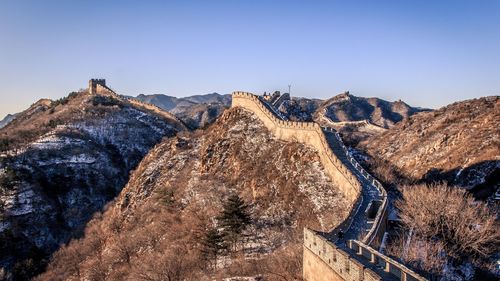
93 84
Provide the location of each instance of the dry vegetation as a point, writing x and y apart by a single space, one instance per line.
60 161
155 229
458 143
444 225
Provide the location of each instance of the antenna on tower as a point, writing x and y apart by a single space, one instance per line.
289 87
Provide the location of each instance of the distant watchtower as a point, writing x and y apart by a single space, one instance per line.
93 84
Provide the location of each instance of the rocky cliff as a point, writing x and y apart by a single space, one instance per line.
62 161
177 191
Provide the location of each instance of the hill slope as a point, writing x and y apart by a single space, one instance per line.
64 160
356 118
458 143
346 107
196 111
7 119
153 229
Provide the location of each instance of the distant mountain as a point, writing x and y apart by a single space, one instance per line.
348 108
7 120
457 144
196 111
61 161
210 98
356 118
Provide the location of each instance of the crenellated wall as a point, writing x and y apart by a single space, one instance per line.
308 133
322 259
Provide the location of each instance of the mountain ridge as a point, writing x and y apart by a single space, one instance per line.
63 160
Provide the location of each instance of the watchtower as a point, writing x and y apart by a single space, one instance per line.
93 84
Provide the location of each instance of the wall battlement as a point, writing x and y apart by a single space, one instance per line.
95 83
308 133
323 260
346 262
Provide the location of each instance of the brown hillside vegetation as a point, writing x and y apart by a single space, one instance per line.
444 225
61 161
458 143
153 230
78 107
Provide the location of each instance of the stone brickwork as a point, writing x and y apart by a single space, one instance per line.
308 133
94 83
358 261
322 259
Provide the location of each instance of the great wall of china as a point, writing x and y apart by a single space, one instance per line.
344 253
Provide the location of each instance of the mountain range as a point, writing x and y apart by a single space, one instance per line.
108 187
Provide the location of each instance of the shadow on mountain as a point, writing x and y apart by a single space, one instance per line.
481 179
55 201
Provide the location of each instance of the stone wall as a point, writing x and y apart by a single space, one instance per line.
308 133
93 83
390 266
103 90
322 260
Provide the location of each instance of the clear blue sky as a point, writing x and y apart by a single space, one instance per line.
427 53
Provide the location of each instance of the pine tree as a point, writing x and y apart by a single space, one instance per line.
213 245
234 218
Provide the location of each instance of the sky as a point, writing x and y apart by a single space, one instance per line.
426 53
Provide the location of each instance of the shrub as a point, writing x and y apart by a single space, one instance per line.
441 220
105 101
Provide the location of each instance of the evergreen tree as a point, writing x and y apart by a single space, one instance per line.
213 245
234 218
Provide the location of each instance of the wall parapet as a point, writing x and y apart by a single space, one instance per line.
382 210
98 86
341 261
388 264
309 133
357 261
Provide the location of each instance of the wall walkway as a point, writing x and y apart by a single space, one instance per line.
337 254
